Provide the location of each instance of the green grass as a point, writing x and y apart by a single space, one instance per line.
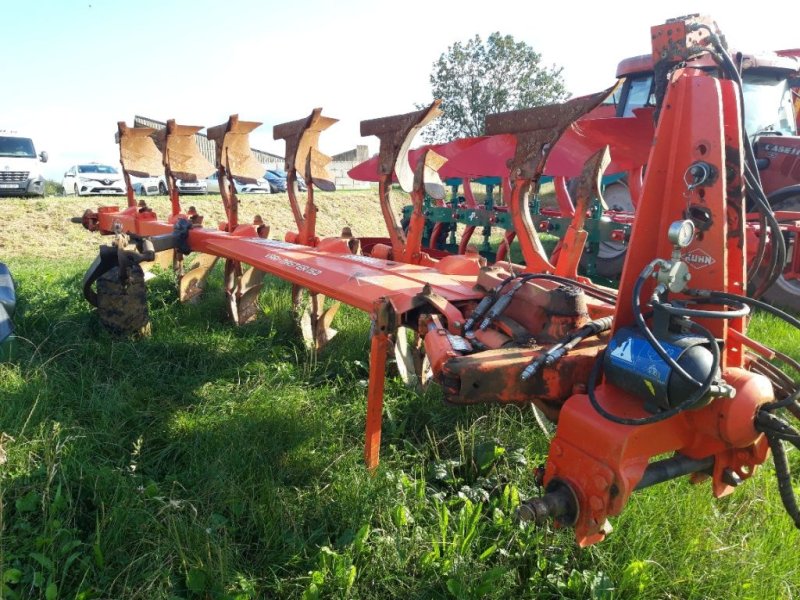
214 462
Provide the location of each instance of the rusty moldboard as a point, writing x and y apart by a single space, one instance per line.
537 129
138 153
232 142
181 155
302 153
396 134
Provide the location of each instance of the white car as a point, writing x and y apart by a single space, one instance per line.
261 186
157 186
149 186
192 187
93 179
20 171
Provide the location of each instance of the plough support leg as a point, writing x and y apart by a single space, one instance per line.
377 376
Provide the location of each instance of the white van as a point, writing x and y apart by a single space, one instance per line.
20 167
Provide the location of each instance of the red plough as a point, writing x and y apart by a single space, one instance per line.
662 366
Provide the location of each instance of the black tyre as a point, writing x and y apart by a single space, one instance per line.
785 292
611 255
122 309
162 188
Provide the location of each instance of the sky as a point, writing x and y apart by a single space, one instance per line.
73 68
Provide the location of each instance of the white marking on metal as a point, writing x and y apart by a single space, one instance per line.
294 265
698 259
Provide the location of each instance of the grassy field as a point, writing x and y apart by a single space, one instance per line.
213 462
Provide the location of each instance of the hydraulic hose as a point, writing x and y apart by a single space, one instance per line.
783 474
493 306
752 180
774 428
567 343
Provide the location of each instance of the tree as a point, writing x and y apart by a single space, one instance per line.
474 79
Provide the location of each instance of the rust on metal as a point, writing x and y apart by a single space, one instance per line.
682 38
426 174
537 129
493 376
138 153
182 157
232 143
396 134
302 153
242 287
193 283
589 188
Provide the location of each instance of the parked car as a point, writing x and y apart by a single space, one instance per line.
149 186
93 179
21 172
259 187
278 180
277 183
192 187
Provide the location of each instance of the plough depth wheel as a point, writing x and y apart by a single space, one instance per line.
122 307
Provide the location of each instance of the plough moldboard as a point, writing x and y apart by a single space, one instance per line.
661 366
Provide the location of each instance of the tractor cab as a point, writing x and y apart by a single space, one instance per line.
768 81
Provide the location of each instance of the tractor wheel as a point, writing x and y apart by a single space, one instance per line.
618 197
610 259
785 292
611 255
122 309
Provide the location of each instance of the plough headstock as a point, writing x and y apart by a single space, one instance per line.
302 153
233 152
396 134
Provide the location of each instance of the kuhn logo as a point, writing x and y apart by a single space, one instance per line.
698 259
